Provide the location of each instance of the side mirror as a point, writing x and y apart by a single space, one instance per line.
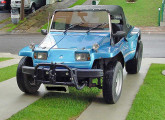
120 34
44 32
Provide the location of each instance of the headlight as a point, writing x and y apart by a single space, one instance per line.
82 57
41 56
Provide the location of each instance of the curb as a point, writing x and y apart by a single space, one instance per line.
38 33
25 33
19 33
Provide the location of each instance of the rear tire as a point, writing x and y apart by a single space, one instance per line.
133 65
24 81
112 83
33 9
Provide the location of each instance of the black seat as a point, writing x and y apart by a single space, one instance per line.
116 27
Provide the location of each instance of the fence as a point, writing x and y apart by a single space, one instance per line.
160 13
163 2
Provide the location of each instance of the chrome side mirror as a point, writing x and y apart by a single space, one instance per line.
44 32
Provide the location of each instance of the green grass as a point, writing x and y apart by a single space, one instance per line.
5 20
8 72
141 13
149 103
78 2
12 26
58 106
4 59
43 27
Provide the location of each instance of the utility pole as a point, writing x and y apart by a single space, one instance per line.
22 10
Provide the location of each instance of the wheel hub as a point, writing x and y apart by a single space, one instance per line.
118 83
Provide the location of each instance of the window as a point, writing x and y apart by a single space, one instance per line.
84 20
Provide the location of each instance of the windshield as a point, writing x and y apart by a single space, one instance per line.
84 20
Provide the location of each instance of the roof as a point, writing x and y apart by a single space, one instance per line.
112 9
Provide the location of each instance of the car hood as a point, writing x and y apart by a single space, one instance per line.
79 40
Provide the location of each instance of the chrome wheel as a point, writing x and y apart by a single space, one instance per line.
119 81
112 83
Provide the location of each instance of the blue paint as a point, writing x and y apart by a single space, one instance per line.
72 42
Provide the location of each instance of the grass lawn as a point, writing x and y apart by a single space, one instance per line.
141 13
8 72
149 103
5 20
4 59
78 2
10 27
58 106
43 27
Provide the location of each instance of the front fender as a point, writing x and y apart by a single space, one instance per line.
26 51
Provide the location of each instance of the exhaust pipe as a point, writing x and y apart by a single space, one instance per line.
57 88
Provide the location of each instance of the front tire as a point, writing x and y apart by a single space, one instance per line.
25 81
133 66
112 83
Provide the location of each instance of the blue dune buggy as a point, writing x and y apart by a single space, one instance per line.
83 43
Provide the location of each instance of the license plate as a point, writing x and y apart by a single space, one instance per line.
15 16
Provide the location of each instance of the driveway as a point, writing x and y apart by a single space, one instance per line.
13 100
3 15
98 110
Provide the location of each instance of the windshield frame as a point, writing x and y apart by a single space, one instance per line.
78 31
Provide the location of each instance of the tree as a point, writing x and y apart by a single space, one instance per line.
22 10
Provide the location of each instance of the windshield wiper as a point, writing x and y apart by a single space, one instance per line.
72 26
102 24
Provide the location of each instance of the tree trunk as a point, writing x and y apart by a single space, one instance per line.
22 10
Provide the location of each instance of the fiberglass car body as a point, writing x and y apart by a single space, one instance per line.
84 42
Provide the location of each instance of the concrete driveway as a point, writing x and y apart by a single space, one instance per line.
98 110
13 100
4 14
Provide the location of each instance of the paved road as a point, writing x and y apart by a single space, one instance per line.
14 43
154 44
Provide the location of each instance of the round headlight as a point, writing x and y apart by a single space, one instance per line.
96 46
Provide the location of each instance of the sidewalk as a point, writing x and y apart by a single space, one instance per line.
158 30
98 110
7 63
13 100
